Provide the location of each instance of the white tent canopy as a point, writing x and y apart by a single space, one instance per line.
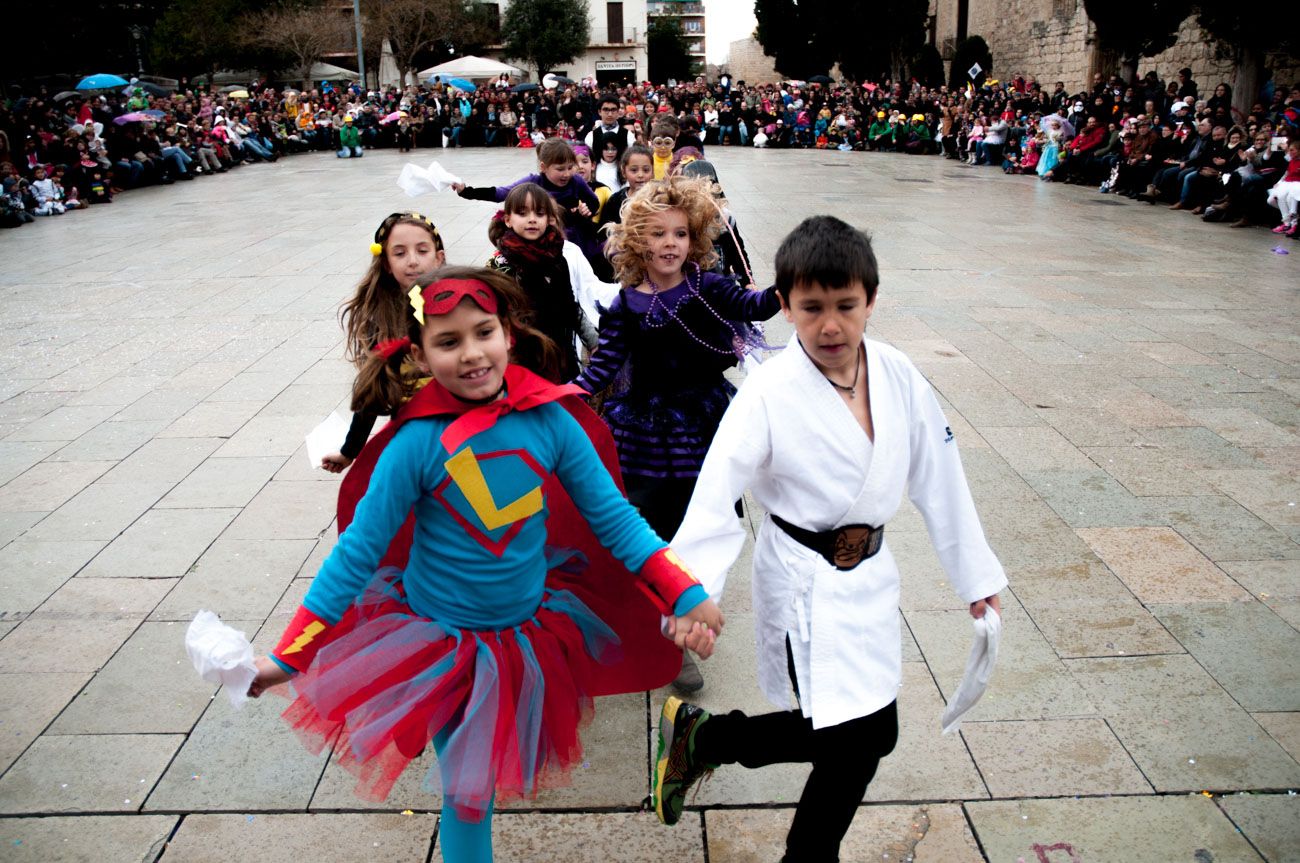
388 73
470 67
330 72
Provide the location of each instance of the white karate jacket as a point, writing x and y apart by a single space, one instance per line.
789 437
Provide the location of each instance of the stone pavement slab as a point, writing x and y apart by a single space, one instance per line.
1158 565
1118 828
1052 757
926 833
1276 583
31 571
615 837
278 838
43 644
1248 649
148 687
86 838
163 543
28 702
101 511
239 579
86 773
1270 821
1182 729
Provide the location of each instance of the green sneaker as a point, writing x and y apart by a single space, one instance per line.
676 767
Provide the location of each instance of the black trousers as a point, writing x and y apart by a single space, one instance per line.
844 759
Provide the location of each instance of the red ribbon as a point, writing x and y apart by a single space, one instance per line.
393 346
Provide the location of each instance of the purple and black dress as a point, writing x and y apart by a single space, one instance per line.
665 354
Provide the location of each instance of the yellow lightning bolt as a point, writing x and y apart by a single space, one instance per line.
312 630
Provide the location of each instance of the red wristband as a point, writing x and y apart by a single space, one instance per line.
664 578
305 635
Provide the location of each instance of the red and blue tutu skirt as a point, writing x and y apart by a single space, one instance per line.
505 704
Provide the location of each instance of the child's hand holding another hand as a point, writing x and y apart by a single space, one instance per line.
697 629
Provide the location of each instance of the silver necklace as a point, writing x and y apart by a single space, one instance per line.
851 389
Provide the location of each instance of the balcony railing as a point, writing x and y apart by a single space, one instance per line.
627 36
670 8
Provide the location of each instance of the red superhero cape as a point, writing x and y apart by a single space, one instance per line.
648 659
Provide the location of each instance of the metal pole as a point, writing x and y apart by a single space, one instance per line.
361 54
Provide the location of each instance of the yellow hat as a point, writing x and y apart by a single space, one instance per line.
918 116
880 115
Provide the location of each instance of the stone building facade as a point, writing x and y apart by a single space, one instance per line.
747 62
1053 40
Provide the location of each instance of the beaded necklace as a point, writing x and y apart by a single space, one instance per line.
692 292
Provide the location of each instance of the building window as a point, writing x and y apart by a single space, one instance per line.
614 20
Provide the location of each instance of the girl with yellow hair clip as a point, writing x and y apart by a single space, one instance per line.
405 246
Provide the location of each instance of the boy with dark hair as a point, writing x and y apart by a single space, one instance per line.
825 435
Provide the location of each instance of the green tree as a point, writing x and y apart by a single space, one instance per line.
1245 34
545 33
969 51
927 66
793 34
668 54
878 40
1127 31
203 36
870 39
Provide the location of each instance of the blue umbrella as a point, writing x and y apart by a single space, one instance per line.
101 81
157 115
460 84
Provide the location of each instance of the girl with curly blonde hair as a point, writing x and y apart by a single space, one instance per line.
670 334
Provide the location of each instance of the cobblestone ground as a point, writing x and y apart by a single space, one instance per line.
1123 382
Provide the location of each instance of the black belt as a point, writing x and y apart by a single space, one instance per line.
844 547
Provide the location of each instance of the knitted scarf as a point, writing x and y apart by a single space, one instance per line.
522 254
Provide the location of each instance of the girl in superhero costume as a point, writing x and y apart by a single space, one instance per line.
505 617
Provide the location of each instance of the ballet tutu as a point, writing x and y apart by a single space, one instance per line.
506 705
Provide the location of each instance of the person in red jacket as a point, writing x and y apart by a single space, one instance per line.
1075 156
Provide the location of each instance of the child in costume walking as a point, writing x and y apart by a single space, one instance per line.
488 643
557 174
562 289
825 435
406 246
676 327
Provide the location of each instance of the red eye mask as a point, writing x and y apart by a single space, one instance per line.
440 297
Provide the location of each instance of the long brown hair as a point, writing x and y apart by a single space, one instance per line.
521 199
383 384
378 309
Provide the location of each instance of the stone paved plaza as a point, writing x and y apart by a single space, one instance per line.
1123 382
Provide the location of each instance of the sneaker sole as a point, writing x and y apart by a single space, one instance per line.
667 727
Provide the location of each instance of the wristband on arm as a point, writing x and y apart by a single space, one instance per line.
306 634
664 578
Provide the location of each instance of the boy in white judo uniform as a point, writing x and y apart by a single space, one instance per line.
826 435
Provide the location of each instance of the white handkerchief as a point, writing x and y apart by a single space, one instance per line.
416 181
979 668
326 438
221 654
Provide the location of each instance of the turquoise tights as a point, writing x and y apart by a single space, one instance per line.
462 841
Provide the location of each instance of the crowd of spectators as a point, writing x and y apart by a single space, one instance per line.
1148 139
